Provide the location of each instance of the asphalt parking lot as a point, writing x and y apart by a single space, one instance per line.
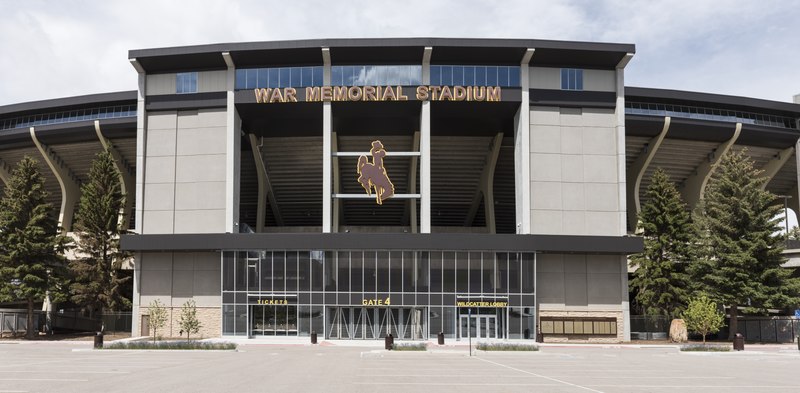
74 367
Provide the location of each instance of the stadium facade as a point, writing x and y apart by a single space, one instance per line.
362 187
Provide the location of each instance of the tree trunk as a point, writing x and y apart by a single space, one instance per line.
29 330
734 325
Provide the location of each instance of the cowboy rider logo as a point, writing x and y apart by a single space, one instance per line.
372 176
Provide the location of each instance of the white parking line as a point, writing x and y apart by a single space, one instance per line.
63 372
45 379
539 375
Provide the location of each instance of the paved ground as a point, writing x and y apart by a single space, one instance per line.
73 367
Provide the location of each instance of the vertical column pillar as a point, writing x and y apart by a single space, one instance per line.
233 151
425 148
622 192
67 181
327 145
522 148
141 146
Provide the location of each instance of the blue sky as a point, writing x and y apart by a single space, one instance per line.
747 48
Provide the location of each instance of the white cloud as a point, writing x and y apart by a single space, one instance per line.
55 49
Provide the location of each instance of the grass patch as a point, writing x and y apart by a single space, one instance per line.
705 348
198 345
410 347
506 347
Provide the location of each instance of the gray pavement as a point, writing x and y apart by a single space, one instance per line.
337 367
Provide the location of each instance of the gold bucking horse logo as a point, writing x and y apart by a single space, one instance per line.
373 175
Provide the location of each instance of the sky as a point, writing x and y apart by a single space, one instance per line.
54 49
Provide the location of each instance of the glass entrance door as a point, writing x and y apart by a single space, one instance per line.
477 326
273 320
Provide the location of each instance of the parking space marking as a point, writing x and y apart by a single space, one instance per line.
64 372
541 376
45 379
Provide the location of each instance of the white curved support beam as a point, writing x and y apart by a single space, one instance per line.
265 193
126 180
70 186
485 191
425 148
775 164
5 172
636 172
694 187
327 159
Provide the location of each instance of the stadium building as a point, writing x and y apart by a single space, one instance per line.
361 187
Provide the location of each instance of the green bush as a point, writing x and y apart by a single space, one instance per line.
506 347
171 345
705 348
410 347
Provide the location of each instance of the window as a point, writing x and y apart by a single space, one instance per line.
186 82
588 326
503 76
257 78
405 75
571 79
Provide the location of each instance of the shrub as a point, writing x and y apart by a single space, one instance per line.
506 347
705 348
410 346
171 345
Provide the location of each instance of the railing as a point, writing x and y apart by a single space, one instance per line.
650 327
14 321
767 329
694 112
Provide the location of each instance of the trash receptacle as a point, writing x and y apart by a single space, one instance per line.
98 340
313 337
440 338
798 343
388 342
738 342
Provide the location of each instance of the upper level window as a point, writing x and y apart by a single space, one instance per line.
95 113
253 78
571 79
406 75
186 82
504 76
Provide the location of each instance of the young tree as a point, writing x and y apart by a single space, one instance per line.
30 260
740 245
660 275
701 316
158 317
189 323
97 284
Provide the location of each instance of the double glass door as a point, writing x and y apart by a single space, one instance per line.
273 320
478 326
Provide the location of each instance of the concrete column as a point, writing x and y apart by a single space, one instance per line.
620 114
337 184
5 172
775 164
425 148
233 151
141 146
636 173
522 149
126 181
485 191
327 135
410 213
70 187
694 186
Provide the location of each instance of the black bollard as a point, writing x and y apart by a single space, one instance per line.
388 342
313 337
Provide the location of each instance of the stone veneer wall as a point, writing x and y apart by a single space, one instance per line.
210 322
555 338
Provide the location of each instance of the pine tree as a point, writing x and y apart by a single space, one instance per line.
660 275
740 244
31 264
97 284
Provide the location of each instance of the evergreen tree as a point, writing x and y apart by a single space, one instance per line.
31 264
97 284
740 244
660 275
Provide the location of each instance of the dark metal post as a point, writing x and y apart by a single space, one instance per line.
469 330
313 337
